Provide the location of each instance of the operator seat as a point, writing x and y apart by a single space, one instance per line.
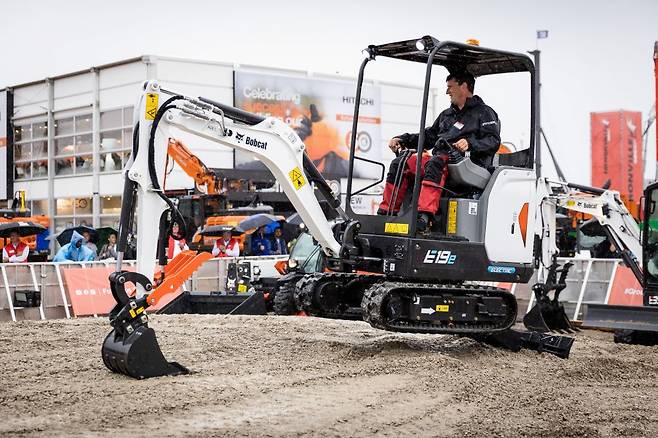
468 174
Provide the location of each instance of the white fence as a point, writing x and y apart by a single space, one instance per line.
55 303
589 281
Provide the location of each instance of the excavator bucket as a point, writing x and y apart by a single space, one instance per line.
548 313
131 348
138 355
548 316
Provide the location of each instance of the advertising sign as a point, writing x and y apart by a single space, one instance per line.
6 135
321 112
626 291
90 294
617 152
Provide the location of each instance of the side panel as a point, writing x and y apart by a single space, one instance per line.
510 203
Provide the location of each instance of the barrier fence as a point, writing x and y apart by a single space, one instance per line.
57 294
590 281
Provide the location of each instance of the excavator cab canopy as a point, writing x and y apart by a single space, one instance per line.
455 57
476 60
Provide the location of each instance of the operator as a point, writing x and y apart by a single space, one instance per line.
15 251
467 125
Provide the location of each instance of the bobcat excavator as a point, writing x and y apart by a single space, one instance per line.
500 231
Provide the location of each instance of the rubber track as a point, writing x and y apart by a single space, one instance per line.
375 300
284 300
307 285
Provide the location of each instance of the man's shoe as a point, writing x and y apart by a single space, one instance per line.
423 223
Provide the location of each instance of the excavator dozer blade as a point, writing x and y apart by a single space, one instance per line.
138 355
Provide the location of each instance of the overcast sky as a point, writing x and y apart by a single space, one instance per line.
598 55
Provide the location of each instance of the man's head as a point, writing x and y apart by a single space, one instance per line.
112 238
460 86
226 235
14 237
278 232
86 235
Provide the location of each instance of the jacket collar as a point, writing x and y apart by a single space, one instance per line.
470 102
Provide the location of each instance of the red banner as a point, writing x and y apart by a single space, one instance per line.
90 294
617 152
626 291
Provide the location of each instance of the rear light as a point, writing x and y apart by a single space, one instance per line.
281 266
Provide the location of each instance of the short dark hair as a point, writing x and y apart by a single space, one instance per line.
461 77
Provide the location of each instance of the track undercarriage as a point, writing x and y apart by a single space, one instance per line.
484 313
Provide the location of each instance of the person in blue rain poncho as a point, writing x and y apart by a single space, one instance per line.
74 251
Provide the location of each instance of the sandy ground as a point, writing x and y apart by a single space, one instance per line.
293 376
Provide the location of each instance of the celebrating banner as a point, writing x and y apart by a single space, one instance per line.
321 112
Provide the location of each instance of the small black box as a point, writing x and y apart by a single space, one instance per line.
27 298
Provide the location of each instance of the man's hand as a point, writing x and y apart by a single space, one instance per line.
181 244
222 248
461 145
395 145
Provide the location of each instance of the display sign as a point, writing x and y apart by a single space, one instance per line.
6 145
617 152
90 294
321 112
626 291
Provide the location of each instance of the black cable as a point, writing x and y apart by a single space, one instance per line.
176 215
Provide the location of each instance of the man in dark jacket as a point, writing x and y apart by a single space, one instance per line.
468 125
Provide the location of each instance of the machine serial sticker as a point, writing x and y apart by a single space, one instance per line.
151 106
440 257
452 217
442 308
394 228
473 208
297 178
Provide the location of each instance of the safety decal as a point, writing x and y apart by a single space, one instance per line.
394 228
452 217
151 106
242 288
297 178
442 308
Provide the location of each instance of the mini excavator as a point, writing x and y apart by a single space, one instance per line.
499 231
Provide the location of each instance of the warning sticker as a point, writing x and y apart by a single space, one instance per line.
452 217
442 308
297 178
394 228
151 106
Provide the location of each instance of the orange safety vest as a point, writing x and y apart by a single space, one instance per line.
170 248
231 245
16 250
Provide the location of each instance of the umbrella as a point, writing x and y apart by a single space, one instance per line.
294 219
218 230
257 221
65 236
104 235
24 229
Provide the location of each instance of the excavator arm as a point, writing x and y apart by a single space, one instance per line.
158 113
606 207
205 180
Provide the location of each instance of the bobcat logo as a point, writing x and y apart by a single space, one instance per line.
239 137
